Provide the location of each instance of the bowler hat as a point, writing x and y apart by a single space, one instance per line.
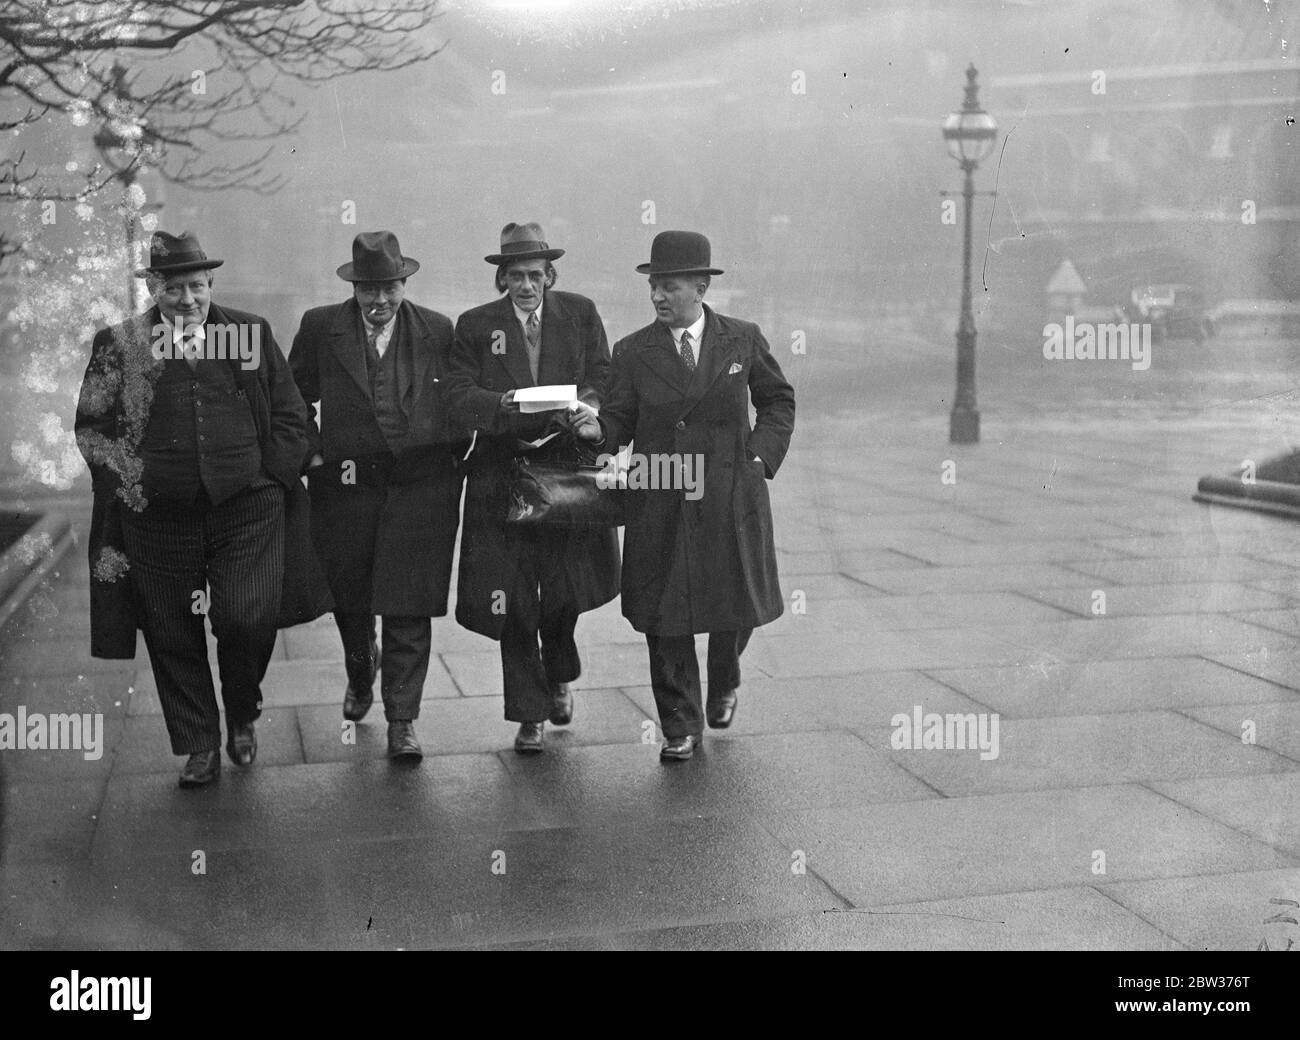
376 257
679 252
173 254
523 242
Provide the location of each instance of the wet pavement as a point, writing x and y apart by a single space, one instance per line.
1145 793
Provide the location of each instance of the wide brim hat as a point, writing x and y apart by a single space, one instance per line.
377 257
679 252
523 242
175 254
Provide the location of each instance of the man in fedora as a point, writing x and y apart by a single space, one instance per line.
383 474
193 430
682 386
521 585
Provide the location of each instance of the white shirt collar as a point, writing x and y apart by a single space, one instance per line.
696 329
522 316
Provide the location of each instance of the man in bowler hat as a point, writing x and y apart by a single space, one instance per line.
683 386
518 584
193 430
385 487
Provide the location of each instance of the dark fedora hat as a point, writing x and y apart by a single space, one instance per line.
523 242
376 257
679 252
173 254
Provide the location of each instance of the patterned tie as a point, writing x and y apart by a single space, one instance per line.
534 336
372 344
688 355
191 346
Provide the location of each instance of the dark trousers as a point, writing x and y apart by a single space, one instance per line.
529 675
675 677
405 659
236 551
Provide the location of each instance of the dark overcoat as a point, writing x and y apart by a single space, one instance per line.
113 412
489 358
383 521
706 564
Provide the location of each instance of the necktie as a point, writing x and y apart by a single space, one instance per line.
688 355
191 346
372 344
534 336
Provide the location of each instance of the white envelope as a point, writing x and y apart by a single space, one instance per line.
545 398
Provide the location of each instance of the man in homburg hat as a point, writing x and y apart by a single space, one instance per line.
525 586
385 487
193 430
682 386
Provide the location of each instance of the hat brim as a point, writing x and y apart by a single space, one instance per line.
497 259
409 267
657 269
197 265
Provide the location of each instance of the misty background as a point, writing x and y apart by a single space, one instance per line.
804 140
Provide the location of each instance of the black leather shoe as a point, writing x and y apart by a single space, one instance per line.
721 710
355 705
201 768
528 741
679 749
561 704
241 744
401 740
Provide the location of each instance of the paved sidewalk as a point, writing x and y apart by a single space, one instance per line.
1121 737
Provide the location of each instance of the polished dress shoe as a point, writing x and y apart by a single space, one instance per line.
201 768
528 741
561 704
679 749
355 705
241 744
721 710
401 740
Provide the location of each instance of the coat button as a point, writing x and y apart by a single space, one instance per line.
681 424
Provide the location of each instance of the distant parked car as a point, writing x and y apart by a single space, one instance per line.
1172 310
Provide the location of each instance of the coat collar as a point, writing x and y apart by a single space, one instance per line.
717 350
558 337
347 340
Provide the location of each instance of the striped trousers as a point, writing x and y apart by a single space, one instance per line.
226 561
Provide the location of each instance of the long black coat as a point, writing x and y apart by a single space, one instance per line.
488 359
707 565
112 415
384 523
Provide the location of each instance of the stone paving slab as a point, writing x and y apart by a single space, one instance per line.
1081 751
1276 726
1157 600
952 847
894 613
1288 586
1010 551
737 777
1281 666
1171 569
1216 912
1058 919
826 702
1285 619
440 889
986 578
266 806
146 748
50 821
1087 687
1265 807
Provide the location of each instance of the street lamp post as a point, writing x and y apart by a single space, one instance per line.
969 134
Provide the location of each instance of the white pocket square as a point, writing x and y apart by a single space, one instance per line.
735 367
